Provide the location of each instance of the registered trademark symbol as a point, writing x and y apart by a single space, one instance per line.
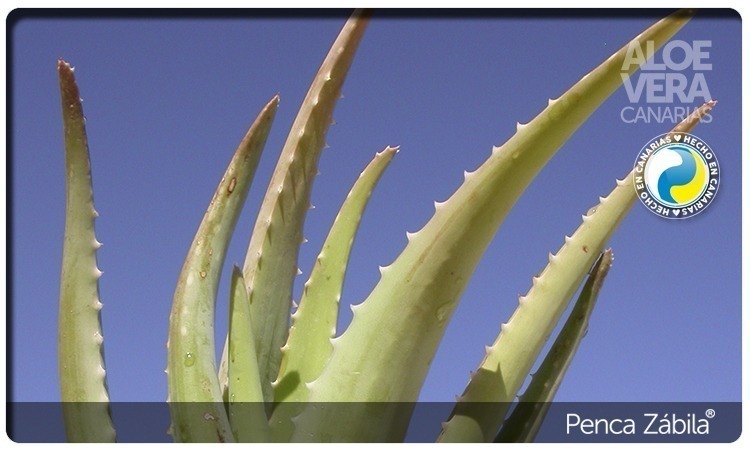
710 413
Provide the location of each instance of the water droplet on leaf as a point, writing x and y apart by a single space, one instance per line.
442 312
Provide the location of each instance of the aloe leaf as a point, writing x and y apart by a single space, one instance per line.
308 347
385 353
528 415
196 404
509 359
247 414
271 260
83 382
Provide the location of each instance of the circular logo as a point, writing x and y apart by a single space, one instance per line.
676 175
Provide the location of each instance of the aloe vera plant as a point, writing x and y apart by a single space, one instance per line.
282 372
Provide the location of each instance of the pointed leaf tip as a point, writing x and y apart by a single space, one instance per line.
83 386
310 339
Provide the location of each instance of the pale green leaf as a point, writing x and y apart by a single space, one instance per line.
271 261
308 347
83 384
195 397
247 414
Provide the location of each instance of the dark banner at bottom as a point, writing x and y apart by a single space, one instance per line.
707 422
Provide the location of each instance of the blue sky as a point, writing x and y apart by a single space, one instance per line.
167 101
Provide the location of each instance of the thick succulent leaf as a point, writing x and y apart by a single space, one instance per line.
83 382
528 415
247 414
191 358
385 353
271 261
308 347
509 359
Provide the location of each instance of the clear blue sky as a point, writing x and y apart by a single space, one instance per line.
167 101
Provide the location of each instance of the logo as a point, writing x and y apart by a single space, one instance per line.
669 82
676 175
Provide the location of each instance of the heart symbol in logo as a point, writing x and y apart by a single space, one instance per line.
677 137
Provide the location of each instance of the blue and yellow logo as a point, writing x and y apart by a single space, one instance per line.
676 175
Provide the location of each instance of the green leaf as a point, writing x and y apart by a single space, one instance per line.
308 347
247 414
191 366
528 416
271 260
509 359
83 383
385 353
